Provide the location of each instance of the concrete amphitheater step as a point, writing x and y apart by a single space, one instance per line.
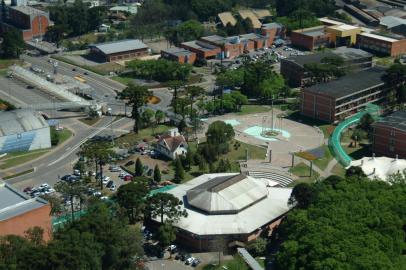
283 180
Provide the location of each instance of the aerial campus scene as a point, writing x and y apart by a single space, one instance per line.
215 134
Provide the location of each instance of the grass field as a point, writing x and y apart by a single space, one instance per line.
302 171
194 78
325 160
18 174
235 264
89 121
249 109
144 134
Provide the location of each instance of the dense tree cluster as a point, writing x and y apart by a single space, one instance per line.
329 67
100 240
13 44
161 70
351 223
186 31
395 77
74 20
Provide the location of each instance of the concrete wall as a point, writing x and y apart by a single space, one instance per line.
38 217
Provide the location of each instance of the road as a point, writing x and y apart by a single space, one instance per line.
60 160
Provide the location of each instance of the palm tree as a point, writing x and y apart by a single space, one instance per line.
136 96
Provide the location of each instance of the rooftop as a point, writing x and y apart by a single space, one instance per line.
227 18
120 46
344 27
129 9
350 84
262 13
271 25
246 13
227 194
313 31
14 203
177 51
391 21
200 45
19 121
380 167
380 37
28 10
173 142
344 52
329 21
229 188
396 120
252 36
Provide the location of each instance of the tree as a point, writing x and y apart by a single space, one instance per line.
54 136
258 247
135 96
189 159
147 115
175 85
165 206
179 171
139 168
186 31
157 174
166 234
355 171
302 195
159 116
70 191
132 198
13 43
35 235
219 133
193 92
356 136
366 122
182 126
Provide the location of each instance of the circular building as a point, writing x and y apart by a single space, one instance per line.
228 207
23 130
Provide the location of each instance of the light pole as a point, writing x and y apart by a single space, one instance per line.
110 112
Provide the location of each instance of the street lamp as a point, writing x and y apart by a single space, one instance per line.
110 112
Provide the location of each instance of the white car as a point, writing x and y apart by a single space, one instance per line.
44 185
113 187
106 180
190 260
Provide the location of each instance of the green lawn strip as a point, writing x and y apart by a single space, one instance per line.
249 109
237 263
89 121
362 149
18 174
302 171
254 152
195 78
325 160
64 135
123 79
20 159
68 61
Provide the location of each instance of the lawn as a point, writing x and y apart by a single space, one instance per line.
384 61
64 135
249 109
361 150
132 139
339 170
254 152
302 171
194 78
17 158
18 174
325 160
235 264
123 79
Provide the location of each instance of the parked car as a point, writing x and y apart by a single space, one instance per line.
76 172
189 260
109 184
113 187
185 256
172 248
27 190
196 262
106 179
128 178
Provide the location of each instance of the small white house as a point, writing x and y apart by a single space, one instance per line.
172 144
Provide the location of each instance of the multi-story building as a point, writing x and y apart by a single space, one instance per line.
119 50
202 49
180 55
32 23
380 44
389 135
311 38
294 71
343 34
18 213
231 47
338 99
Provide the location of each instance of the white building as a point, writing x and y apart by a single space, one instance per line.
172 144
232 207
380 167
22 130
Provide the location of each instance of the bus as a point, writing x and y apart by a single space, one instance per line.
80 79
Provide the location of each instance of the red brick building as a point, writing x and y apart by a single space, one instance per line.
383 45
202 49
18 213
119 50
31 22
311 38
338 99
180 55
231 47
389 136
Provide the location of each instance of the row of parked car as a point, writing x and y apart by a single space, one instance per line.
43 189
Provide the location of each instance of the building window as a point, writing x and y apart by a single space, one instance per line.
391 148
392 132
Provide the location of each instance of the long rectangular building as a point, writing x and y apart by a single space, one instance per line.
338 99
382 45
119 50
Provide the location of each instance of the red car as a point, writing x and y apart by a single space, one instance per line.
128 178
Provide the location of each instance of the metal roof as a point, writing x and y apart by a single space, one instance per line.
227 194
351 83
200 45
14 203
120 46
246 13
273 206
313 31
396 120
19 121
29 10
379 37
391 21
227 18
177 51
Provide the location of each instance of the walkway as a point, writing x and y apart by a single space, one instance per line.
252 263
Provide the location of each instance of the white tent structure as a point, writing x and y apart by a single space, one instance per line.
380 167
